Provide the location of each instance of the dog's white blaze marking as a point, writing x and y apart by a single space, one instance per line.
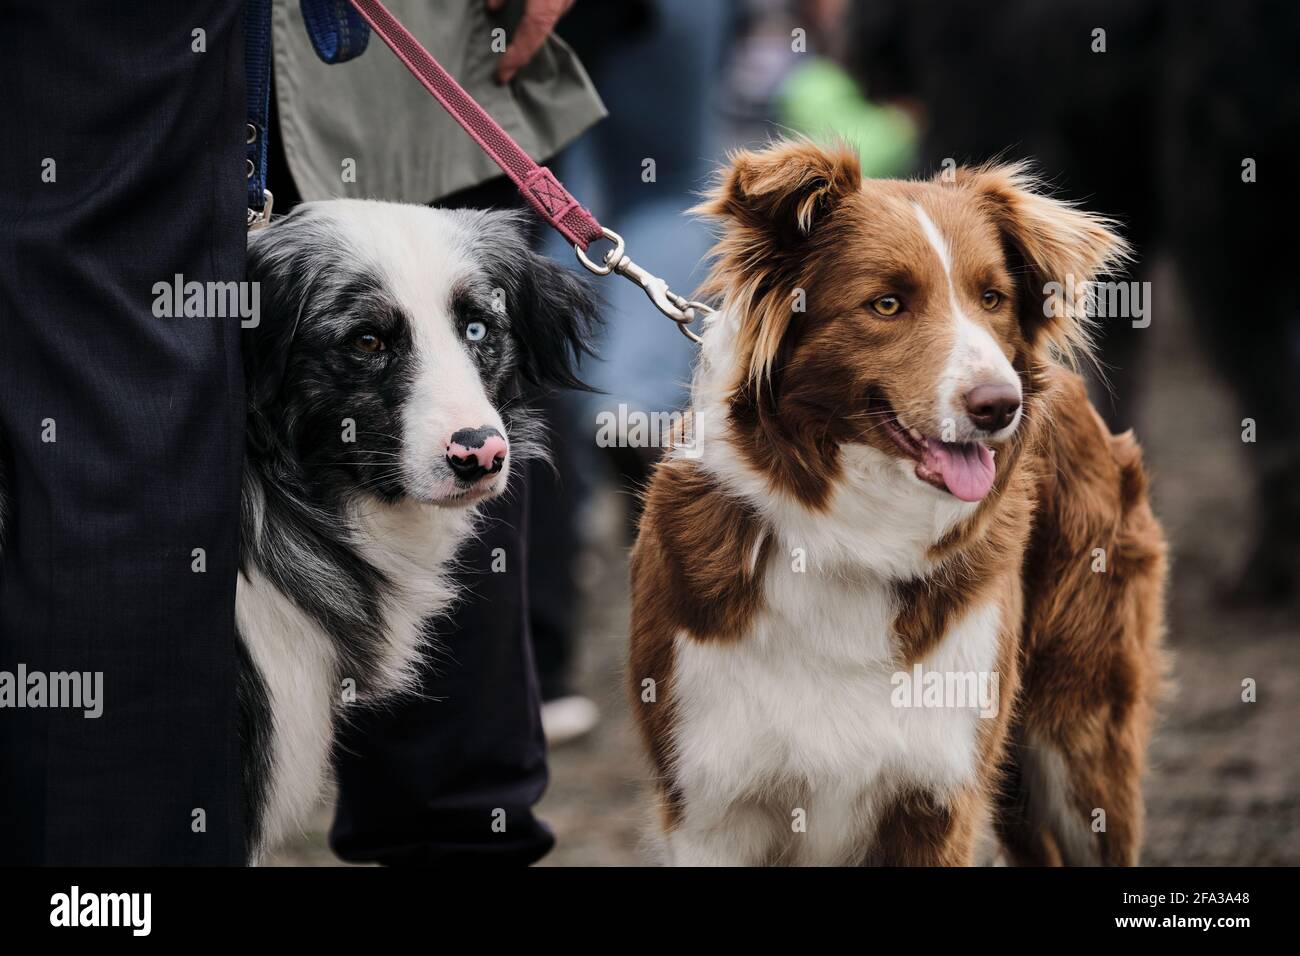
447 393
976 358
937 242
798 713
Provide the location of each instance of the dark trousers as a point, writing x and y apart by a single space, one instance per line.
121 166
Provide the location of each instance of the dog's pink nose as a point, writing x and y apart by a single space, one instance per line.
475 452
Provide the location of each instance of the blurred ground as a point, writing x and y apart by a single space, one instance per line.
1224 786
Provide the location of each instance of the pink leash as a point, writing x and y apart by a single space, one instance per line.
535 183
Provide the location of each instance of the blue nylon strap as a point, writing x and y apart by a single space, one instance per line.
337 34
257 70
336 29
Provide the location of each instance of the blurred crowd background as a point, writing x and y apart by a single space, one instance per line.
1178 119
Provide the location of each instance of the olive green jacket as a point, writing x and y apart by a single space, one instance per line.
368 129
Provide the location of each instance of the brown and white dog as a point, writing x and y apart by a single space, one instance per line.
904 583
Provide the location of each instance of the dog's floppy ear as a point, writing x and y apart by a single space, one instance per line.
286 260
1057 250
555 322
786 190
266 345
775 205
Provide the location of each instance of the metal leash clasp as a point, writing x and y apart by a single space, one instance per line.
681 310
260 220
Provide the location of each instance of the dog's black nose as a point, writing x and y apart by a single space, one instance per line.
475 452
992 407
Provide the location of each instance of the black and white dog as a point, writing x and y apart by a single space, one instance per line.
386 384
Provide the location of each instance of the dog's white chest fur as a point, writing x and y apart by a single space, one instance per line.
795 724
299 663
788 741
298 666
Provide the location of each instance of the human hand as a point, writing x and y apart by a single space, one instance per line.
539 19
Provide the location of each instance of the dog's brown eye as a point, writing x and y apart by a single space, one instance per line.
887 305
368 343
991 300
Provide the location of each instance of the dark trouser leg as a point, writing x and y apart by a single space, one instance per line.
122 166
452 776
553 532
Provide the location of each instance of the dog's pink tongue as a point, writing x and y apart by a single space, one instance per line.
966 468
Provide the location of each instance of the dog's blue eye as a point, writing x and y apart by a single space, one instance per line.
476 331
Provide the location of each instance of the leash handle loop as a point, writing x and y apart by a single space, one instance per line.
337 33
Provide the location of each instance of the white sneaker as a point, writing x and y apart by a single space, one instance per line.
568 718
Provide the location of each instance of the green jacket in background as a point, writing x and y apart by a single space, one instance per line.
401 144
